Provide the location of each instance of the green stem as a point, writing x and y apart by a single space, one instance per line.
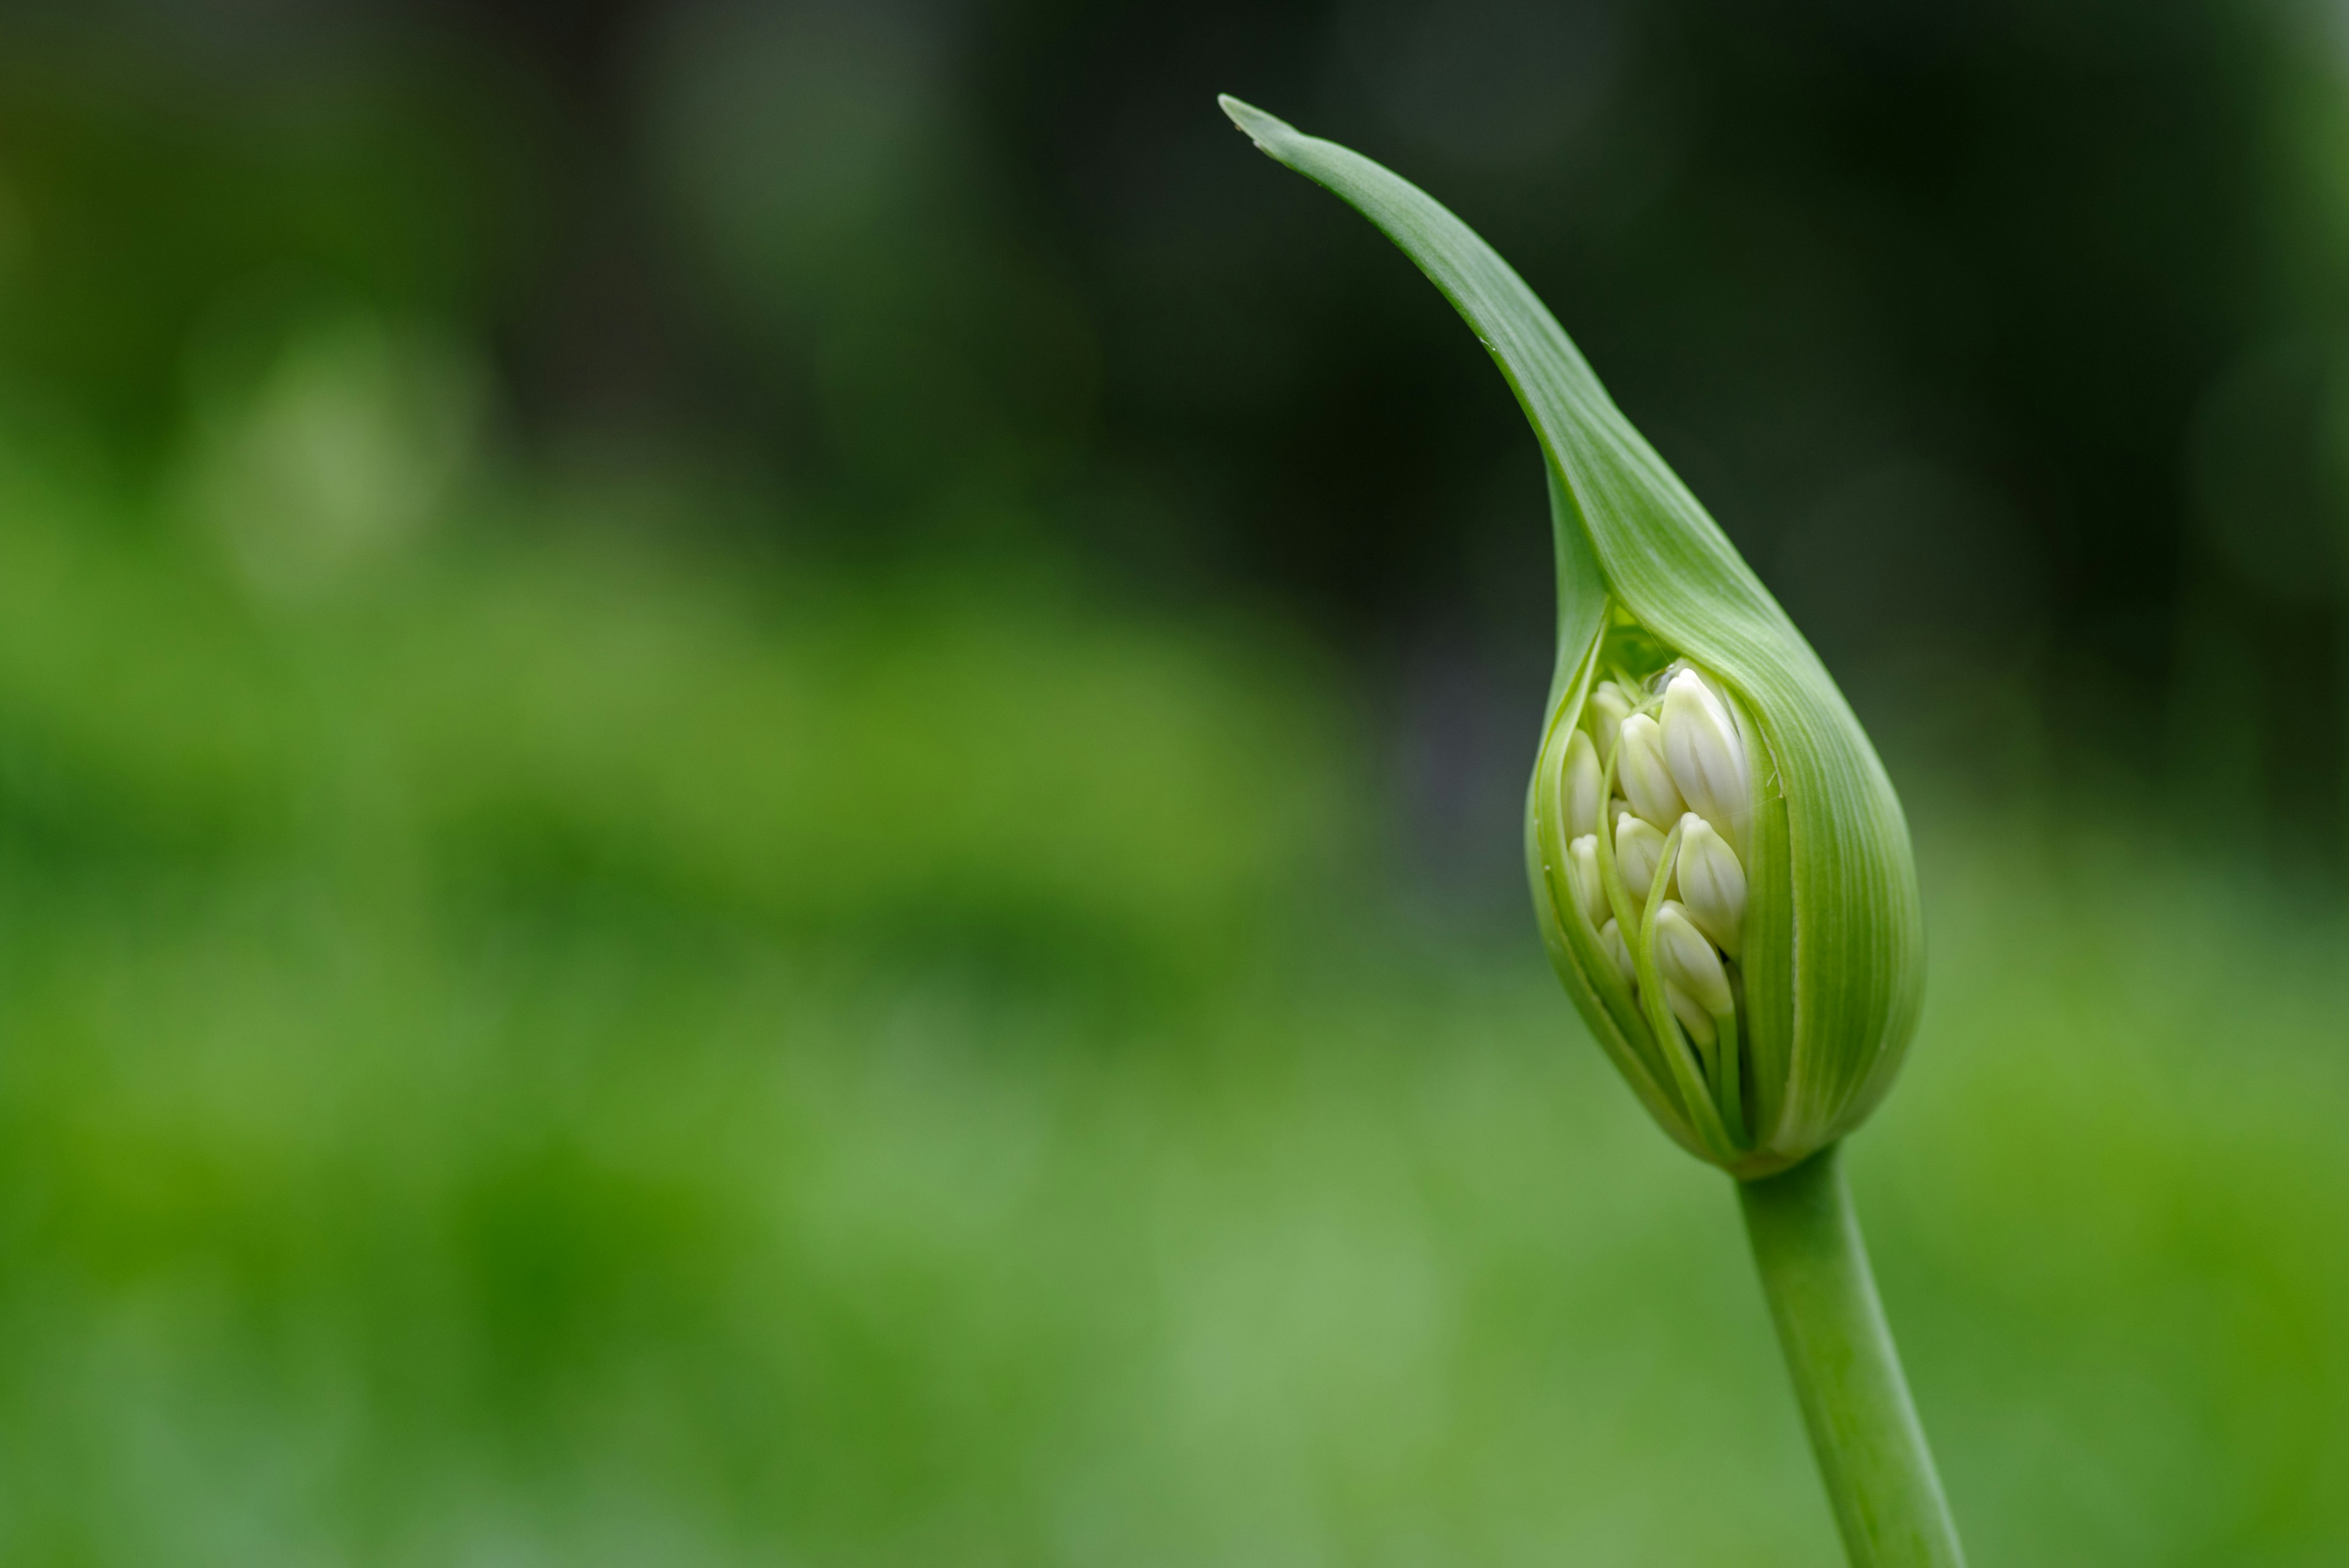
1871 1451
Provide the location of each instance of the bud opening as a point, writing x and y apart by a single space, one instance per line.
1658 750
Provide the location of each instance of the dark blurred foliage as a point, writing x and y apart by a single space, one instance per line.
2001 337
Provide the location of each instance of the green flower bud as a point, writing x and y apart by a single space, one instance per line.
1715 727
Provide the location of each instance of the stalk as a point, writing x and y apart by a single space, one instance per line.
1871 1450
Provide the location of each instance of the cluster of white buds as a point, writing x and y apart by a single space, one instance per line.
1657 793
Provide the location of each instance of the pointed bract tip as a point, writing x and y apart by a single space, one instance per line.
1261 127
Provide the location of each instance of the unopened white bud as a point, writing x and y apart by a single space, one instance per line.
1712 883
1586 789
1647 777
1694 1019
1703 751
1687 960
1609 706
1610 936
1582 876
1638 850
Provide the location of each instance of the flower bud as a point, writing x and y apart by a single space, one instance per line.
1603 716
1712 883
1803 867
1586 791
1702 1026
1706 758
1686 959
1610 938
1638 850
1582 870
1646 777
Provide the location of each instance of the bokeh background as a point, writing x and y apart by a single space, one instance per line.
760 766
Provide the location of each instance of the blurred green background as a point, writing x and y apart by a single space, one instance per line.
758 771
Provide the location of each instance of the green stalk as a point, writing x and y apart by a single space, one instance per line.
1879 1474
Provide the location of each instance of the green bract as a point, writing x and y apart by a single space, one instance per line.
1721 866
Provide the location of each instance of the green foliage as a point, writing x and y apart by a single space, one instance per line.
961 755
502 1061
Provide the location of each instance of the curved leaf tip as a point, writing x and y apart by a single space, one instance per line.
1261 127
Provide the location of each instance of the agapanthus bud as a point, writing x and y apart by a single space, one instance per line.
1604 714
1646 776
1751 736
1610 938
1638 850
1582 869
1686 959
1586 789
1706 758
1702 1027
1793 853
1712 883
